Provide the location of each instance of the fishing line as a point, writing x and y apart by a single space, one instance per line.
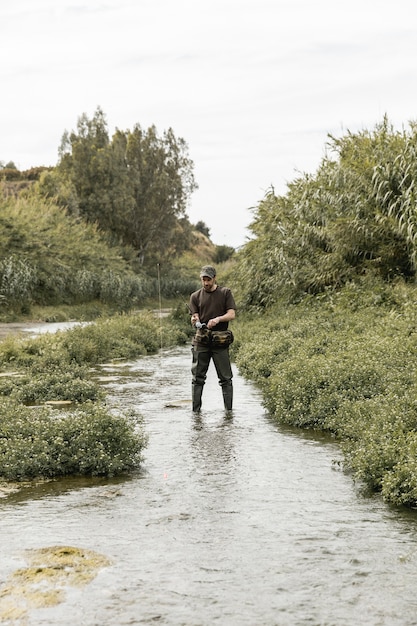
160 303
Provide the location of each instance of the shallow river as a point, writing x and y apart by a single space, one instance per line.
233 521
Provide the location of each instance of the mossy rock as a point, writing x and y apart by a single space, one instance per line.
42 584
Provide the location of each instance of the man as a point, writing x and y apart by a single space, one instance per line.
212 307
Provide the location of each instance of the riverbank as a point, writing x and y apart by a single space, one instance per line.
67 369
344 364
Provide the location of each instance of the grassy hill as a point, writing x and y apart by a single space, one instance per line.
48 258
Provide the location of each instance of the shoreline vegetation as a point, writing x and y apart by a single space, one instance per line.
325 287
345 364
342 363
329 277
54 420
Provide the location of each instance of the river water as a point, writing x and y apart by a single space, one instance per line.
233 521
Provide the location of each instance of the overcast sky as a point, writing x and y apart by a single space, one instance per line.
253 86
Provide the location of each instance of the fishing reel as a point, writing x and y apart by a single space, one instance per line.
200 325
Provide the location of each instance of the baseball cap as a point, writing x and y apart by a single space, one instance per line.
208 270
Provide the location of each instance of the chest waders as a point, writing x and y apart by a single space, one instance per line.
202 355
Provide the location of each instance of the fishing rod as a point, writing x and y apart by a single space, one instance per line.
160 303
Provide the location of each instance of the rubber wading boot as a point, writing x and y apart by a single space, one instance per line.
197 393
228 397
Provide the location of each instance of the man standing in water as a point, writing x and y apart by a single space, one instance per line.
212 308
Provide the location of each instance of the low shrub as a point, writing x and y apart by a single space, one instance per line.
89 441
52 383
119 337
344 363
400 485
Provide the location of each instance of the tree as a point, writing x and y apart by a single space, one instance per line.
202 227
161 180
223 253
84 166
10 165
136 186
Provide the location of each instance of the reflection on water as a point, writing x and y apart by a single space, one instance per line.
232 521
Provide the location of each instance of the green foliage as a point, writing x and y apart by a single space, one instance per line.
345 363
48 257
223 253
50 382
202 227
51 258
119 337
180 318
11 173
135 186
356 215
17 282
89 441
114 338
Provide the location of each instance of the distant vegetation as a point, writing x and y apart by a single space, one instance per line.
108 224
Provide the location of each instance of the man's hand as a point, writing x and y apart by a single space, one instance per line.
213 322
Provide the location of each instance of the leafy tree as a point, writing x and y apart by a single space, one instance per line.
162 181
135 186
84 164
10 165
223 253
202 227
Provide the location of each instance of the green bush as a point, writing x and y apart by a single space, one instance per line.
119 337
344 363
17 282
53 383
400 485
50 257
89 441
355 216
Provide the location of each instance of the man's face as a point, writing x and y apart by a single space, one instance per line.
208 283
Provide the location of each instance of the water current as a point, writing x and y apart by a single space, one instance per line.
234 521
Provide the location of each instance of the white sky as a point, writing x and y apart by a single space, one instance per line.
253 86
